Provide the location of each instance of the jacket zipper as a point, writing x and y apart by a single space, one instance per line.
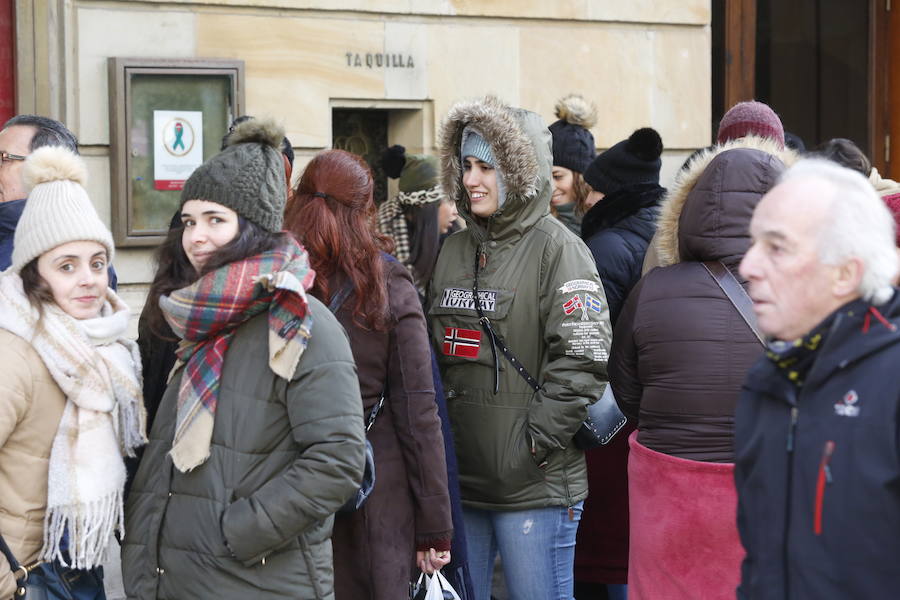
824 477
792 431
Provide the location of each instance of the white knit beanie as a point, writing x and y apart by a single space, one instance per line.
58 209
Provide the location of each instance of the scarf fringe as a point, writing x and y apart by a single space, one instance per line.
89 526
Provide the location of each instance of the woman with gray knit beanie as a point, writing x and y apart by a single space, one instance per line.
70 393
259 437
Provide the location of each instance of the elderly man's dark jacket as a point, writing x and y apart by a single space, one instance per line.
818 468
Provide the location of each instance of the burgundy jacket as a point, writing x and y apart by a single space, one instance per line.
680 349
374 547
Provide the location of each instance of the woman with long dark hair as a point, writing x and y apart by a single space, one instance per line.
406 520
259 437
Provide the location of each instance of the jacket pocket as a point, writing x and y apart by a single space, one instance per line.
459 335
823 480
495 462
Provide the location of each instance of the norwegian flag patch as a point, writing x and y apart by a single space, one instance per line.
573 304
461 342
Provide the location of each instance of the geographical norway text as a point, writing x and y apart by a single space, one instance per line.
463 298
579 285
461 342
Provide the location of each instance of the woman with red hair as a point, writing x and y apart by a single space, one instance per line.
406 519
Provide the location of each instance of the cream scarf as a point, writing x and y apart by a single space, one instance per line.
99 371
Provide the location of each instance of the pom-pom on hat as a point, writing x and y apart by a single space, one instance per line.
750 118
573 143
632 161
58 209
247 176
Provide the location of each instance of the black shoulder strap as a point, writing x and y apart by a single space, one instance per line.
336 302
735 293
342 294
14 566
495 338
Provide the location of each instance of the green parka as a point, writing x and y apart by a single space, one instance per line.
284 456
540 290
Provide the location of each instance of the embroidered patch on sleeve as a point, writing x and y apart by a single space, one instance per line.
574 304
579 285
461 342
463 298
593 303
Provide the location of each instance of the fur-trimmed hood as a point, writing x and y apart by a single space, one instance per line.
521 145
668 236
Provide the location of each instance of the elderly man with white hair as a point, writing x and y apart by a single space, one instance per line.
817 449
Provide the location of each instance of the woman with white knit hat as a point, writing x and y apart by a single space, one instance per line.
70 393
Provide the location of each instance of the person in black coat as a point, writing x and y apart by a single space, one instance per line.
619 227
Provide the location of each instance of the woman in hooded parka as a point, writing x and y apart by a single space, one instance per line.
516 283
406 519
70 392
259 437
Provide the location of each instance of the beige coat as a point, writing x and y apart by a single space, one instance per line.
31 406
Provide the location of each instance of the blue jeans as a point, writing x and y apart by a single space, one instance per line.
52 581
537 551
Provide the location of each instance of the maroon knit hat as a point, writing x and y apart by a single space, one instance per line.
750 118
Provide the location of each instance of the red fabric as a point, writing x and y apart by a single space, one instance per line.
601 549
684 537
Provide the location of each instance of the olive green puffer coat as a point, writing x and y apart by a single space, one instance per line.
285 455
539 287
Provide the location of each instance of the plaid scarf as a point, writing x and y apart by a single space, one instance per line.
206 315
392 221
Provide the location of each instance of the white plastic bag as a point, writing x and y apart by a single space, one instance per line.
439 588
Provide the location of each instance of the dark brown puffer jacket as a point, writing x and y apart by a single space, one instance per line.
680 348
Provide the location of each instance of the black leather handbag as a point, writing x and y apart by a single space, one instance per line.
604 420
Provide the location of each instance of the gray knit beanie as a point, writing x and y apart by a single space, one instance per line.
474 144
58 209
247 176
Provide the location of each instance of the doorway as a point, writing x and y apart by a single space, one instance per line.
363 132
823 66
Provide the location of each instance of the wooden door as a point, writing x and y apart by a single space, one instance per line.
7 60
893 75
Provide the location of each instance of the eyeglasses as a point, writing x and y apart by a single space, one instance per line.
6 157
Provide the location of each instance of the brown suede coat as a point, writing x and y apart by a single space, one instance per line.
374 547
680 348
31 405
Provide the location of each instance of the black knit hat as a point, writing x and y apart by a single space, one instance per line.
247 176
632 161
573 143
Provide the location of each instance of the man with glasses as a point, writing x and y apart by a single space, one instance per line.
20 136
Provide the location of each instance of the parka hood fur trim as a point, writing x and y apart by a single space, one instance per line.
672 205
514 151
